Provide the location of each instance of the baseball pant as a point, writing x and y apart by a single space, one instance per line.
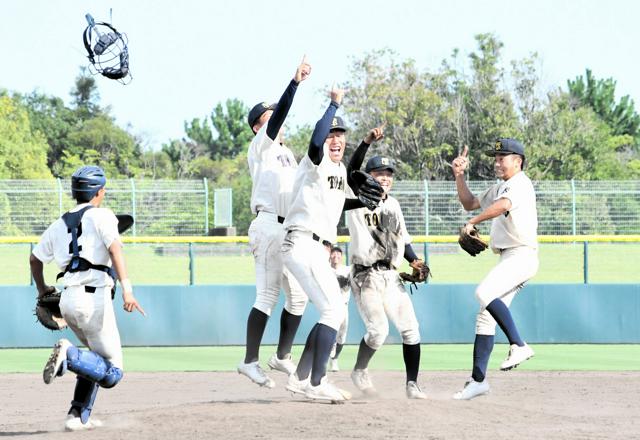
308 261
93 321
265 240
380 297
516 266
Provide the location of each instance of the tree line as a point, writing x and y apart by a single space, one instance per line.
576 130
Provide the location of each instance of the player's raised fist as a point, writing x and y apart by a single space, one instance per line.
336 93
375 134
303 71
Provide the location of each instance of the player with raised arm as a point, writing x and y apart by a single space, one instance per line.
273 169
86 246
511 206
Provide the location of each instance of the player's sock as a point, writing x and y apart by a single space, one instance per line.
83 397
325 338
502 315
338 350
482 348
306 359
256 323
288 327
411 355
365 353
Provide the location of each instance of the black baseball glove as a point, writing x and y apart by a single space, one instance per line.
48 310
471 242
369 191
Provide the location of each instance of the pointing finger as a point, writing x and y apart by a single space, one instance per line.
465 151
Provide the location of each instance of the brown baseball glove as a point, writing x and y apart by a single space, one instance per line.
471 242
418 275
48 310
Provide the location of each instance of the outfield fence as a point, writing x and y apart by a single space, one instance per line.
182 207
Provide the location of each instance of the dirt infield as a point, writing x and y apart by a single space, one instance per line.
522 404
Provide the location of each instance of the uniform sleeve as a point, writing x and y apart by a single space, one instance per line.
259 144
107 228
403 227
44 249
487 197
512 190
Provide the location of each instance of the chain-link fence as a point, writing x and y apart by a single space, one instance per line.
160 207
181 207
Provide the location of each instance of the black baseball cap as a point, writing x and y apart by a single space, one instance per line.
506 146
257 111
377 163
337 124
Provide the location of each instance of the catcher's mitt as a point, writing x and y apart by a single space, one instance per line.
418 275
471 241
48 311
369 191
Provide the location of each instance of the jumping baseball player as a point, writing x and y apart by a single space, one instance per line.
511 207
273 168
313 217
343 274
85 245
379 242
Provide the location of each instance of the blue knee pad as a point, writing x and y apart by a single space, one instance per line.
93 367
83 397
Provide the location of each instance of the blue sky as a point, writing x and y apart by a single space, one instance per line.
188 55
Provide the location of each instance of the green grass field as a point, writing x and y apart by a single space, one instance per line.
559 263
434 357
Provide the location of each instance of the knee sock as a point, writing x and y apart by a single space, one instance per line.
83 397
325 338
288 327
338 350
256 323
411 355
502 315
306 359
365 353
482 348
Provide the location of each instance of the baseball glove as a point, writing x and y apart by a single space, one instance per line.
369 191
48 311
471 241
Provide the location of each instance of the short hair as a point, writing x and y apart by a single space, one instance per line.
336 249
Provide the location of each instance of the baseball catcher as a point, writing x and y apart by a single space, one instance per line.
369 191
470 240
48 310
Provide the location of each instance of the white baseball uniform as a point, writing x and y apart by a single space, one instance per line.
378 240
313 218
343 275
514 237
273 168
89 314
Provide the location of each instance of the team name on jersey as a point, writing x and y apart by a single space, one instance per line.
336 182
372 219
285 160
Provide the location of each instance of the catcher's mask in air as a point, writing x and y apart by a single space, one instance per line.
109 55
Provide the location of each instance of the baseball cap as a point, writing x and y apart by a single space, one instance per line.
257 111
506 146
380 163
337 124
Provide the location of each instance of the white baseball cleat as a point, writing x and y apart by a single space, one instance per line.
362 381
414 391
53 367
254 372
285 365
324 391
517 355
75 424
295 385
472 389
333 365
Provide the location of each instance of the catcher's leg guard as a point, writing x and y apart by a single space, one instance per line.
93 367
83 398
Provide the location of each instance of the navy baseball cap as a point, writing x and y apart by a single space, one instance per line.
506 146
377 163
257 111
337 124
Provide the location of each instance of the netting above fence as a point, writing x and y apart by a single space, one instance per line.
181 207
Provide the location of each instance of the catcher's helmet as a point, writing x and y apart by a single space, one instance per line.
109 55
86 182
